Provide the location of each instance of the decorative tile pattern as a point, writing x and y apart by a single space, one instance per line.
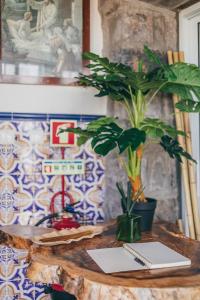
25 193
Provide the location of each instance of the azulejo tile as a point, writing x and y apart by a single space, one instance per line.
3 263
31 167
39 292
22 289
26 288
25 194
13 199
43 199
11 290
13 263
8 291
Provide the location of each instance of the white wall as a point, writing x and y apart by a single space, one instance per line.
50 99
188 21
188 33
57 99
96 41
188 42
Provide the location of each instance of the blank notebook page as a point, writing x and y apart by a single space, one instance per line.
158 255
112 260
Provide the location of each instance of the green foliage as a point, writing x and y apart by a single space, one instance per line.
106 138
187 81
106 135
173 148
85 134
180 78
188 106
111 136
112 79
127 200
156 60
132 138
135 89
94 125
155 128
122 83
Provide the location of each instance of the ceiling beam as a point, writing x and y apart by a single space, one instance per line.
172 4
176 4
189 3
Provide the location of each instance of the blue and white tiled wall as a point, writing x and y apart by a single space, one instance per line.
25 193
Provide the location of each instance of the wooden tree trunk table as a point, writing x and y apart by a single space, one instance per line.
71 266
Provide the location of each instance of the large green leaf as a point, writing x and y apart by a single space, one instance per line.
187 82
155 128
94 125
181 78
83 134
115 79
105 146
188 106
82 140
132 137
173 148
116 89
154 58
110 136
112 79
106 138
90 56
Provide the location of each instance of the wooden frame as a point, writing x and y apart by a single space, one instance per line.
46 79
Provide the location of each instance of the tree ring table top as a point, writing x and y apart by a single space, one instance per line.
74 262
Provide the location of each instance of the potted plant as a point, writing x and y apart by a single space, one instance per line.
135 90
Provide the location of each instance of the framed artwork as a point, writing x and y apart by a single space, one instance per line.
42 40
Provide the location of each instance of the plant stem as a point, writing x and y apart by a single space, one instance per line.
155 93
136 109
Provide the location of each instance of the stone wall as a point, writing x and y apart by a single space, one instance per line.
127 26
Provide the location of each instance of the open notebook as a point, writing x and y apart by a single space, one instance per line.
137 256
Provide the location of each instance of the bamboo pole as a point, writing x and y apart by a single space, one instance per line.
184 168
192 178
179 125
191 167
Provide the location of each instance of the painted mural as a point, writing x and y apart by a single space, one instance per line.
42 38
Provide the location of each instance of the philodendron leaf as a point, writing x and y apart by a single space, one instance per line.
104 147
106 138
132 137
111 136
81 140
173 148
77 130
94 125
153 57
112 79
90 56
155 128
83 134
187 82
188 106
